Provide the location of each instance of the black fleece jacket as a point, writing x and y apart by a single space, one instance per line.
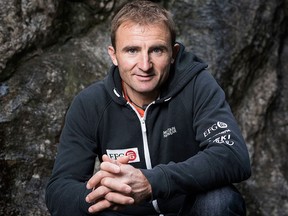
187 142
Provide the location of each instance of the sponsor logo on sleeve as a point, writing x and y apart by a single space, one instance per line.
132 153
223 137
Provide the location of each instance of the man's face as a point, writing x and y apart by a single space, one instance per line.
143 54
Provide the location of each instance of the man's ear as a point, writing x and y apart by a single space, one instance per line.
112 54
175 51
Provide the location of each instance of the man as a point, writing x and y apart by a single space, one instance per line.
167 140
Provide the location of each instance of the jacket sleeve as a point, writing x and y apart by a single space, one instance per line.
74 164
223 158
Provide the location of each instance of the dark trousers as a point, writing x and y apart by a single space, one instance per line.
224 201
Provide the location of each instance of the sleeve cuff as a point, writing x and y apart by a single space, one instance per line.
158 181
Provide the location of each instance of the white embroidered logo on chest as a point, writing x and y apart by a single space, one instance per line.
170 131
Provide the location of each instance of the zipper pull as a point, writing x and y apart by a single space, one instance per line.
143 125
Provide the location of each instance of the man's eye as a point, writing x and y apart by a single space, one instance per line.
157 50
132 51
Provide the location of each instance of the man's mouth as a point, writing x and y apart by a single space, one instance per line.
144 77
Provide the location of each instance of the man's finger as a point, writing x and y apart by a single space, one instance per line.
96 179
116 185
110 167
100 206
123 159
119 199
106 158
97 194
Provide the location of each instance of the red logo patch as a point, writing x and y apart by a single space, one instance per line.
131 154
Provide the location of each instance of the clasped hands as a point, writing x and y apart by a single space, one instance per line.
117 184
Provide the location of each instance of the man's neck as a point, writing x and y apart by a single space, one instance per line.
139 100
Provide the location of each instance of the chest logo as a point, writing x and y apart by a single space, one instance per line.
169 132
132 153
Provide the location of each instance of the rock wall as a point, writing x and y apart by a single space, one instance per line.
49 50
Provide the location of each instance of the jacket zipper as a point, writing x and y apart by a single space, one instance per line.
146 147
144 136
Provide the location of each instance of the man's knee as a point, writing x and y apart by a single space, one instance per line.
222 201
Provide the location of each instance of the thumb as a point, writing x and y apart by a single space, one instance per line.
123 159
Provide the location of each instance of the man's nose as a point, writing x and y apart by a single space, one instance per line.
144 62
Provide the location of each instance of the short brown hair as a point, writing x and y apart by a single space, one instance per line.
142 12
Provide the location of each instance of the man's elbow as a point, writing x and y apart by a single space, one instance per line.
244 170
